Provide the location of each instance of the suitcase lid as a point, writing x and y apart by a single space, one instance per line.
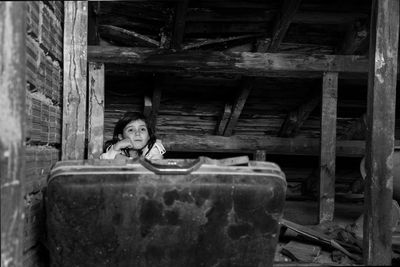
201 165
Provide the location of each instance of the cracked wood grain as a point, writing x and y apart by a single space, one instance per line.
96 110
75 72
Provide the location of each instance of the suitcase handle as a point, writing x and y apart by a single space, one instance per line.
172 166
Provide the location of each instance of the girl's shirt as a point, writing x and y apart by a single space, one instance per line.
156 152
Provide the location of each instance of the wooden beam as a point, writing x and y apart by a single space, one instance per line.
244 63
217 41
282 23
96 110
246 86
75 75
148 106
12 121
328 146
127 37
296 118
156 99
384 38
224 119
272 145
93 29
179 25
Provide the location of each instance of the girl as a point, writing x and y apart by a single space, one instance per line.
133 137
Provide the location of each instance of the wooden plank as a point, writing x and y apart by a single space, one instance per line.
156 99
148 106
223 62
282 23
328 146
208 42
296 118
75 74
246 86
224 119
384 35
260 155
12 121
127 37
96 110
93 29
179 25
272 145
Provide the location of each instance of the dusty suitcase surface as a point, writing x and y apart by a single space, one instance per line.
105 213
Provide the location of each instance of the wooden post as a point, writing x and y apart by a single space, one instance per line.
380 132
75 72
12 136
328 147
260 155
96 110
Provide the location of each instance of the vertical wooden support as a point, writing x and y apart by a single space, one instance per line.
96 110
260 155
328 146
380 132
75 74
12 121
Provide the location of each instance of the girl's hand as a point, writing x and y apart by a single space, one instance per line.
125 143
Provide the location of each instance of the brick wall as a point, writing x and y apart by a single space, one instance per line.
44 55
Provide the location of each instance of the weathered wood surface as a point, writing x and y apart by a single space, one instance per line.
179 25
246 86
222 62
148 106
96 110
75 74
127 37
282 23
272 145
12 121
223 121
328 146
296 118
380 136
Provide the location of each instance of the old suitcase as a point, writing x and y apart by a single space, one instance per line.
163 213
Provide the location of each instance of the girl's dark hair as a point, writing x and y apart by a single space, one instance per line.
125 120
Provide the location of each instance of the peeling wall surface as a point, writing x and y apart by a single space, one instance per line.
44 56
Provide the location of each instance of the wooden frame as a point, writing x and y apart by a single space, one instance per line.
12 118
382 83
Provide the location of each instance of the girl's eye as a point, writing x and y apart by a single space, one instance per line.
143 129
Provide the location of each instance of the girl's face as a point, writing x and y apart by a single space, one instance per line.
137 132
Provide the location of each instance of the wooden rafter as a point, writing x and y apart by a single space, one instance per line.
289 9
246 86
224 119
179 25
127 37
218 41
221 62
296 118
